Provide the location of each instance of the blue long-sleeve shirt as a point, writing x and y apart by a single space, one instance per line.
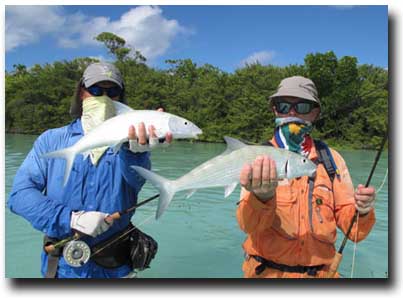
38 194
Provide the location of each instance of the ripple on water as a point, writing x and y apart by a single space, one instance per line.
198 236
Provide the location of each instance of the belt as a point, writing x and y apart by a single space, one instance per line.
53 257
311 270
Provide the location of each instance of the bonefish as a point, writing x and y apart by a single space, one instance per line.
224 170
114 132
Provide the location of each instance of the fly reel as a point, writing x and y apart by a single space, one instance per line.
76 253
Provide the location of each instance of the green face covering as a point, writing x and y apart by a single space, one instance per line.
293 134
95 111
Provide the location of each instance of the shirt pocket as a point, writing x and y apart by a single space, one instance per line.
286 218
323 223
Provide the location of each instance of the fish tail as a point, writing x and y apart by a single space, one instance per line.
165 186
68 154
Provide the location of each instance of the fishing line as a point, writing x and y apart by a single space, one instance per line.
383 182
145 220
355 249
339 254
123 235
51 247
356 232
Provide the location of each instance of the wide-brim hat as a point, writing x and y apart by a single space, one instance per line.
297 86
102 71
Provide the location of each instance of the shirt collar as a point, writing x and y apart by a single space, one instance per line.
75 127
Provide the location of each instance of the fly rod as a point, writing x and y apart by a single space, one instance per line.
337 258
51 247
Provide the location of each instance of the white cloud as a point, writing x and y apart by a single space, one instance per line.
144 28
27 24
262 57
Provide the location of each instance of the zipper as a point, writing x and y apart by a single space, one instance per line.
319 215
310 203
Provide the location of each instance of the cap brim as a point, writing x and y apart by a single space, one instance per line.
100 78
294 93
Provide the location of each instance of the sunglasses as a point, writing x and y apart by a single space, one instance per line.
96 90
284 107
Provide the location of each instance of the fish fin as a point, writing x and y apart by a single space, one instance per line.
121 108
229 189
117 146
233 144
68 154
166 188
190 193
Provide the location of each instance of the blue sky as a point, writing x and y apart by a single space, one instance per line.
224 36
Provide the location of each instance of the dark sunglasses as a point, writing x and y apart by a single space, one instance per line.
284 107
96 90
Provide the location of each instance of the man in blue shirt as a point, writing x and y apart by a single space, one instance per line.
98 186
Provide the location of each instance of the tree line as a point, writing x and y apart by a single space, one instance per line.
354 97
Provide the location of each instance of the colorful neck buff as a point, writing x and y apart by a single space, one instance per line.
292 134
95 111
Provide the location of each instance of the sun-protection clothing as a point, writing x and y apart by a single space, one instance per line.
102 71
297 86
38 194
291 230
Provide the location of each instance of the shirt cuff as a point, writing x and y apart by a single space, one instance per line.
368 216
256 204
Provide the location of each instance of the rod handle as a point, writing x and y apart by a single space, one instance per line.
49 248
114 216
52 247
334 266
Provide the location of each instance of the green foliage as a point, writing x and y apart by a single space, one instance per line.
116 46
354 98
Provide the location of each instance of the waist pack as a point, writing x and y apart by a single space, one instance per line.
129 247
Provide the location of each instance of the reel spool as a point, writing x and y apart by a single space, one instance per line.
76 253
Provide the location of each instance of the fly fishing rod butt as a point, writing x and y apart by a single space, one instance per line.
114 216
334 266
49 248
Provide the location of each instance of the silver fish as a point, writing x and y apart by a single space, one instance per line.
114 132
224 170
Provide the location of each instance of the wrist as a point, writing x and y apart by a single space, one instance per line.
264 197
363 214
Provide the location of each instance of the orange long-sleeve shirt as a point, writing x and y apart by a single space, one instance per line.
290 230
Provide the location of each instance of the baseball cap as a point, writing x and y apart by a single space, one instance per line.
297 86
102 71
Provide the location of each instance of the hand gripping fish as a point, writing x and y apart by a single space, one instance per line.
114 132
224 170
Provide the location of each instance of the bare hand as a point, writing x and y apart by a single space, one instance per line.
138 141
364 199
260 177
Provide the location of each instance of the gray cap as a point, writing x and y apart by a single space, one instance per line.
102 71
297 86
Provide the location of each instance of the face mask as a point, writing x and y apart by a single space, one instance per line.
293 134
95 111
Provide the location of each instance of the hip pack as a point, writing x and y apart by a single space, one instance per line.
130 246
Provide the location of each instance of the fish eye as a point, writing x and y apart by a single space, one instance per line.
304 160
186 123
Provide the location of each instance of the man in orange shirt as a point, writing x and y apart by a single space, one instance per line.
291 224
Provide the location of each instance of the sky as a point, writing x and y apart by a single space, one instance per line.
227 37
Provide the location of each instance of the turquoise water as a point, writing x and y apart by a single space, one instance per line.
198 237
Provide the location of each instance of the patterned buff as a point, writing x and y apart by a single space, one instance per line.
293 134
